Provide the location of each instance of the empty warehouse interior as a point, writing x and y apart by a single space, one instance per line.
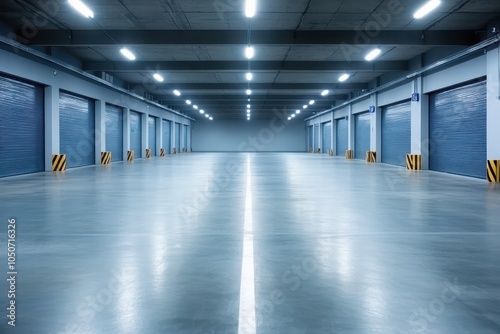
250 167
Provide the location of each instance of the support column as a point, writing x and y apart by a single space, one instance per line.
376 129
159 136
493 104
189 129
145 134
350 129
100 130
320 137
52 133
126 132
172 135
420 124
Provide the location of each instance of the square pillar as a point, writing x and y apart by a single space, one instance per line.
100 129
126 133
159 136
376 130
52 132
420 125
145 134
350 129
493 104
172 135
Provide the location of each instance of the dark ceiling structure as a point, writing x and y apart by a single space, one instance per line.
301 46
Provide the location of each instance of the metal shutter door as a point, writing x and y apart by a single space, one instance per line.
152 135
185 143
457 127
316 137
396 133
309 137
77 128
327 137
342 136
362 142
21 128
114 132
136 133
177 136
166 136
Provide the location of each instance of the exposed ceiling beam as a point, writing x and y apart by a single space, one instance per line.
239 86
263 98
152 66
259 37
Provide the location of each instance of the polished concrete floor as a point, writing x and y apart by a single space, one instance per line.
253 243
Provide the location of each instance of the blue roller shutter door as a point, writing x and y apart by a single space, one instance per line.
342 136
77 130
396 133
136 134
458 131
166 136
114 132
185 144
362 143
21 128
152 135
177 136
327 137
316 137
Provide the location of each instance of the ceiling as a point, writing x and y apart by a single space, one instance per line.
302 46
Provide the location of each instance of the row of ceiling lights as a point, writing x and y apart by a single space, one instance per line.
88 13
250 10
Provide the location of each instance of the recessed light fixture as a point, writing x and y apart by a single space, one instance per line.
344 77
305 106
82 8
250 8
248 111
249 76
158 77
289 118
249 92
249 52
207 115
293 115
373 54
202 111
426 9
248 100
177 93
210 118
325 92
188 101
297 111
195 107
127 54
248 106
312 102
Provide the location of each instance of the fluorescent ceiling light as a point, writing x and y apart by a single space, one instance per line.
289 118
312 102
297 111
426 9
373 54
188 101
195 107
304 106
249 111
293 115
248 106
207 116
249 52
249 76
127 54
344 77
325 92
249 92
82 8
250 8
158 77
210 118
202 111
177 93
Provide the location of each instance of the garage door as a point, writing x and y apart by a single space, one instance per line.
21 128
458 131
114 132
185 136
152 135
396 133
327 137
316 137
136 134
166 136
309 138
77 124
177 136
342 137
362 137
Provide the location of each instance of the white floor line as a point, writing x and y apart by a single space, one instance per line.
247 321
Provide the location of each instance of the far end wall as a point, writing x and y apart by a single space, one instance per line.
248 136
